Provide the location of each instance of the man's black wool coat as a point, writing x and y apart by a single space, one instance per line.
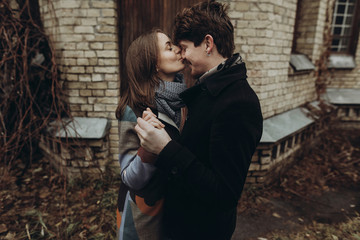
207 166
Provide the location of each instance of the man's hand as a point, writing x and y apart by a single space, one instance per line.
151 138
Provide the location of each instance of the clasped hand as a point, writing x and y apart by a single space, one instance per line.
151 132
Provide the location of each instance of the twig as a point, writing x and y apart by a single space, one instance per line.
27 231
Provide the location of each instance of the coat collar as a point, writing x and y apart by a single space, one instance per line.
226 73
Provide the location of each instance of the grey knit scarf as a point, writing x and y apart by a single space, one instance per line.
167 98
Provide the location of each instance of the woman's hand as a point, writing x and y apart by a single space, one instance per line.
151 118
151 139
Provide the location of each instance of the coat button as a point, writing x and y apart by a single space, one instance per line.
174 170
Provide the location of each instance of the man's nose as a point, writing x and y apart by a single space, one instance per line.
182 54
177 49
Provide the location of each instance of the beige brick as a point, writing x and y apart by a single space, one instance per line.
116 155
93 61
69 4
106 53
70 54
75 85
87 107
84 4
89 54
71 77
99 107
78 113
251 180
68 61
107 21
114 130
114 138
88 22
108 12
89 69
89 37
265 167
111 93
85 78
93 12
103 4
106 29
80 100
97 85
98 114
279 10
105 37
109 62
98 93
242 6
110 46
113 85
100 155
114 144
66 29
69 46
76 69
82 46
254 167
72 92
236 14
82 61
83 29
96 143
75 108
246 33
106 69
111 77
111 108
85 93
105 100
97 77
96 45
266 7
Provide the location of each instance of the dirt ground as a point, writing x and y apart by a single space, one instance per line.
285 216
321 187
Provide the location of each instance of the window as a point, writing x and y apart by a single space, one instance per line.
345 26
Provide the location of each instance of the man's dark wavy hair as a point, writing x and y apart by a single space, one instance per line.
208 17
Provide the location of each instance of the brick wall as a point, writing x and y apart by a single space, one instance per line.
263 36
310 28
84 34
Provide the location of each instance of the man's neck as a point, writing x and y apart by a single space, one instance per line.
213 69
215 61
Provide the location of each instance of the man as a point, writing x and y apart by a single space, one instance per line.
207 166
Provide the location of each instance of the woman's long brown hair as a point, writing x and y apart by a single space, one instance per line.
137 90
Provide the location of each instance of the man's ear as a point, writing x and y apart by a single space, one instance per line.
209 43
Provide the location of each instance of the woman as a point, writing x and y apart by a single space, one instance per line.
152 65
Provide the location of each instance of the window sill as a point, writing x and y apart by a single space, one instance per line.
301 63
341 61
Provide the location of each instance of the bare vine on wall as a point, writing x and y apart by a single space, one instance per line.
30 92
322 72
